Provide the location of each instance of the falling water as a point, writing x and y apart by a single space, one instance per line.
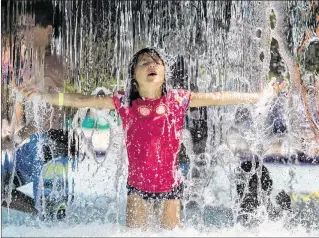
208 46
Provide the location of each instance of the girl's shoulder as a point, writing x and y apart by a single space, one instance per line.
178 94
119 95
179 97
119 99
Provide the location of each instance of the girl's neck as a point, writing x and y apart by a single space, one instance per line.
152 94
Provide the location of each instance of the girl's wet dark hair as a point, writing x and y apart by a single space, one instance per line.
131 84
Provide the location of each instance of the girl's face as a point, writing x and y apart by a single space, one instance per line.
149 71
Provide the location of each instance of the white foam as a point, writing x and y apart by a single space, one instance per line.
270 229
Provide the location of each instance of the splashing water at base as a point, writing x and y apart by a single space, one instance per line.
96 229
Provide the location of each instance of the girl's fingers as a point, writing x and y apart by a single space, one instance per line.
273 88
282 85
28 94
279 87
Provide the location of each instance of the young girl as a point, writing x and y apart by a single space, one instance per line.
152 118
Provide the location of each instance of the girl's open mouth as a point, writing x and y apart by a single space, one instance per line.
152 74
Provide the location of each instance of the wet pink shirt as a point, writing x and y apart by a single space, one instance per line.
153 129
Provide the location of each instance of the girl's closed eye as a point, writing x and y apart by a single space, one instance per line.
143 63
146 63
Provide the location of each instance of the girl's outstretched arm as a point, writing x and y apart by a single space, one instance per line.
78 100
72 99
230 97
222 98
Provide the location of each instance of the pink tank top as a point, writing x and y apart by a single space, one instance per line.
153 129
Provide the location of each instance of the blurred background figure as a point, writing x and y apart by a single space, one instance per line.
28 59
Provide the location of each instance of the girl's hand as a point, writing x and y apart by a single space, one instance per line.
28 91
273 88
278 87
